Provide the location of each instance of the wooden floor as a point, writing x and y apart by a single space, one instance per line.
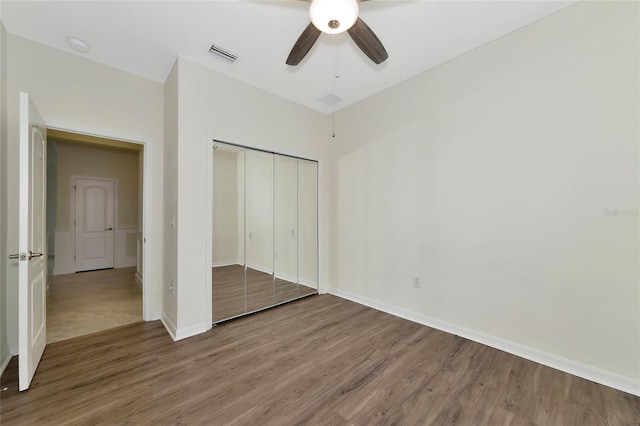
88 302
319 360
228 291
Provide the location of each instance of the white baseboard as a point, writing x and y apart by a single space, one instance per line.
264 269
179 334
285 277
168 325
224 263
13 350
138 279
308 283
566 365
192 331
157 315
4 361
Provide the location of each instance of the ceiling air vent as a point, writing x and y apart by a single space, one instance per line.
330 99
222 53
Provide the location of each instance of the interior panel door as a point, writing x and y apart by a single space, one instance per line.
32 256
94 224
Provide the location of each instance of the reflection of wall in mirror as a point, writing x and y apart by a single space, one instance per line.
225 208
285 218
308 223
259 210
241 194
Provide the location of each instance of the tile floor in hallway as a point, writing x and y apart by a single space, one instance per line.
87 302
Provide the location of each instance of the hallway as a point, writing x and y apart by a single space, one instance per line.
89 302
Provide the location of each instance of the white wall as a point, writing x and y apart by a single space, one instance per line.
4 346
215 106
307 223
170 206
259 212
495 178
74 92
285 220
225 208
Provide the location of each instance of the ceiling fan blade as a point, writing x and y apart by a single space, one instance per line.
304 43
368 42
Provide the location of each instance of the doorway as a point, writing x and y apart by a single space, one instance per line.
94 232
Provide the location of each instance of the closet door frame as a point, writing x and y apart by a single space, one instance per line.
209 226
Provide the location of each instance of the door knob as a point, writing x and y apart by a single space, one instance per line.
108 229
32 255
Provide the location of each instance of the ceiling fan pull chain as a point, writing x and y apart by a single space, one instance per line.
333 121
335 46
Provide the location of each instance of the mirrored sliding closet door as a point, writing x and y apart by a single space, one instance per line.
265 230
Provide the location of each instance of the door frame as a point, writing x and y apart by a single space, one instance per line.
148 290
72 213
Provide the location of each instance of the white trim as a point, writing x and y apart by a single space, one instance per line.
209 232
168 325
63 259
308 283
264 269
193 330
13 350
121 259
147 191
4 361
224 263
138 279
285 277
566 365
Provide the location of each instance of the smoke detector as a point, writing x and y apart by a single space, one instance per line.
78 45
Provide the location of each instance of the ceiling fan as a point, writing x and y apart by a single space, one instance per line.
334 17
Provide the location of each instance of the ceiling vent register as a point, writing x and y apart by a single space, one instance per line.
223 53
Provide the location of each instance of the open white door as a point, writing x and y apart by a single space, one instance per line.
32 282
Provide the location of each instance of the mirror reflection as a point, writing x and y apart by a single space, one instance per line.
228 296
265 230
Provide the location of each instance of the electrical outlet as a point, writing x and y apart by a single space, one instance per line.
416 281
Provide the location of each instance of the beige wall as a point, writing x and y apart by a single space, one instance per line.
75 93
494 178
212 105
4 346
225 208
96 162
170 202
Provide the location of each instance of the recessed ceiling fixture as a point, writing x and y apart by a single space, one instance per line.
223 53
333 16
78 45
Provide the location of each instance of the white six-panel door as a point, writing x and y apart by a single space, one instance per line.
94 224
32 264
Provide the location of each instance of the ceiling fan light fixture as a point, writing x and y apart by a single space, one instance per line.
333 16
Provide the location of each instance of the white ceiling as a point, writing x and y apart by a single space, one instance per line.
145 37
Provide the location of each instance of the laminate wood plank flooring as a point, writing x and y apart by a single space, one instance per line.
89 302
262 290
321 360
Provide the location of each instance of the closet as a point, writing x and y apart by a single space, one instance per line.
265 230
